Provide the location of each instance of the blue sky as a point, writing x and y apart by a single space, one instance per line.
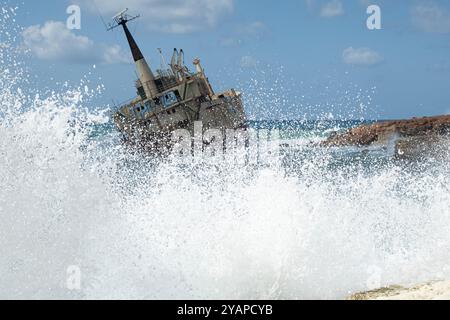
291 58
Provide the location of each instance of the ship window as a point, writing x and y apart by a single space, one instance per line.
148 105
169 99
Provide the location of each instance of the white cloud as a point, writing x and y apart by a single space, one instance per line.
361 56
331 9
54 42
248 62
172 16
431 17
114 54
252 28
230 42
244 33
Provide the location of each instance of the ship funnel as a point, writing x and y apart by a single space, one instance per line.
181 59
173 61
177 64
143 69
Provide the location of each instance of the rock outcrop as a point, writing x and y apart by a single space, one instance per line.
437 290
381 132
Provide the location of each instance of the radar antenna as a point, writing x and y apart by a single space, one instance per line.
120 19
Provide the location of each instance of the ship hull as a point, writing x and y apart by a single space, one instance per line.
157 133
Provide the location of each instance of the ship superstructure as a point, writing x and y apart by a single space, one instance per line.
173 98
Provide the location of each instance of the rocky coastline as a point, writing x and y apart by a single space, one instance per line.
409 138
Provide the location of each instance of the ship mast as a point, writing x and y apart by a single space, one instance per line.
144 72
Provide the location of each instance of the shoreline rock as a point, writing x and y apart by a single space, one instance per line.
385 131
436 290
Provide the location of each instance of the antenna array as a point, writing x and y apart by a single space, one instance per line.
120 19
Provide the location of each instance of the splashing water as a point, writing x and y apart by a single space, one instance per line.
312 227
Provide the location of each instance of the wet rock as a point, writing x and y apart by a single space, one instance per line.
427 128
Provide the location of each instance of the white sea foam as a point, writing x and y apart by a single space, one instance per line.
203 231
